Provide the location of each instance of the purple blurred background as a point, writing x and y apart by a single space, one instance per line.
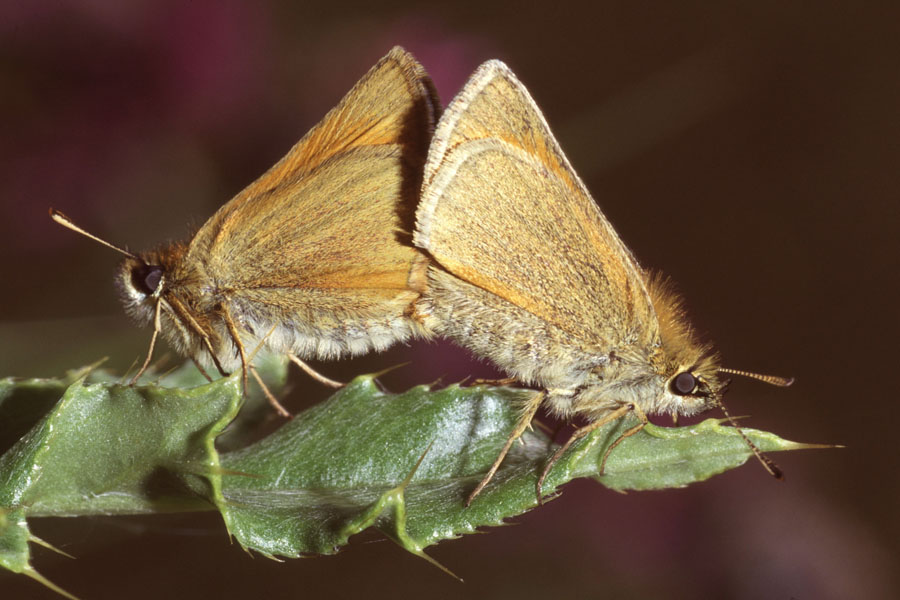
748 149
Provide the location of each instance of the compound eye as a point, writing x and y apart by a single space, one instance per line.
684 384
146 278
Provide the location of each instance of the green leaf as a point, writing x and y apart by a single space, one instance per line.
106 448
403 464
340 467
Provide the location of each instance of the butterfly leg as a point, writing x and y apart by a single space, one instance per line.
152 344
281 410
580 433
315 374
178 309
201 369
644 420
528 412
232 330
247 363
504 381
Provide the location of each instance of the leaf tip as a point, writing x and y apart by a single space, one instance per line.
40 542
422 554
31 572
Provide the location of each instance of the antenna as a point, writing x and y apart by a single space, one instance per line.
67 222
770 379
767 463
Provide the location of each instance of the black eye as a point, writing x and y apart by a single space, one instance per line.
684 384
146 278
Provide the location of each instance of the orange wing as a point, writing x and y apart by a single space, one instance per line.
503 209
330 214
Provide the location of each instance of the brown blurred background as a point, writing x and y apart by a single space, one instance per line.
748 149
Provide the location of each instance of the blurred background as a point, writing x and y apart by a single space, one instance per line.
750 150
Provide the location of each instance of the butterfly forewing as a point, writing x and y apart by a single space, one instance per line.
323 227
497 184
